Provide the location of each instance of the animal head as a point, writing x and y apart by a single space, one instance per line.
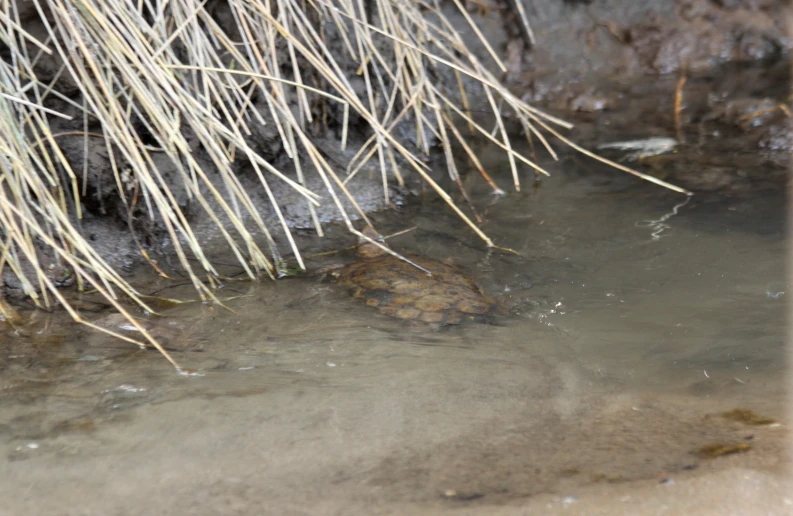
366 249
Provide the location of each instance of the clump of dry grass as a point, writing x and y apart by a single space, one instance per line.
189 82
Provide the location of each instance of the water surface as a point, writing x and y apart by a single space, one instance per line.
637 317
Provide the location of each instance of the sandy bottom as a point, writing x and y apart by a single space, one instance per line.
313 451
480 420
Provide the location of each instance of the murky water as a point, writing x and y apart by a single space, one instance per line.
637 317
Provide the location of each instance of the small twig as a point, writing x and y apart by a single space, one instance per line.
781 107
678 103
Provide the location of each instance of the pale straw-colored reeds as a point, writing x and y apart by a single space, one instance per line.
174 69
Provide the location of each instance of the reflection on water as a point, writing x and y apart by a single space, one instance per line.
636 318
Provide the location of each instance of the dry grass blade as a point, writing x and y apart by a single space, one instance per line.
472 155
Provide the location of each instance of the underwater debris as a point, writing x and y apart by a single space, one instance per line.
747 417
712 450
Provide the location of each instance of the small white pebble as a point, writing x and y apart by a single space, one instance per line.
32 446
330 364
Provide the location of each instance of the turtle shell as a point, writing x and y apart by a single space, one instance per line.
396 288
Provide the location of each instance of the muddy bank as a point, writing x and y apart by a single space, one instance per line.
587 57
578 44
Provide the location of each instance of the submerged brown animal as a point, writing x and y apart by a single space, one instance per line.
397 288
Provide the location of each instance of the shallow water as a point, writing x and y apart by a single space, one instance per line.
637 317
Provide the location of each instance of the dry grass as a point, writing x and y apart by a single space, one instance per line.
171 67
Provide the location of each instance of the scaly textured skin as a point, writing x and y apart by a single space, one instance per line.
398 289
